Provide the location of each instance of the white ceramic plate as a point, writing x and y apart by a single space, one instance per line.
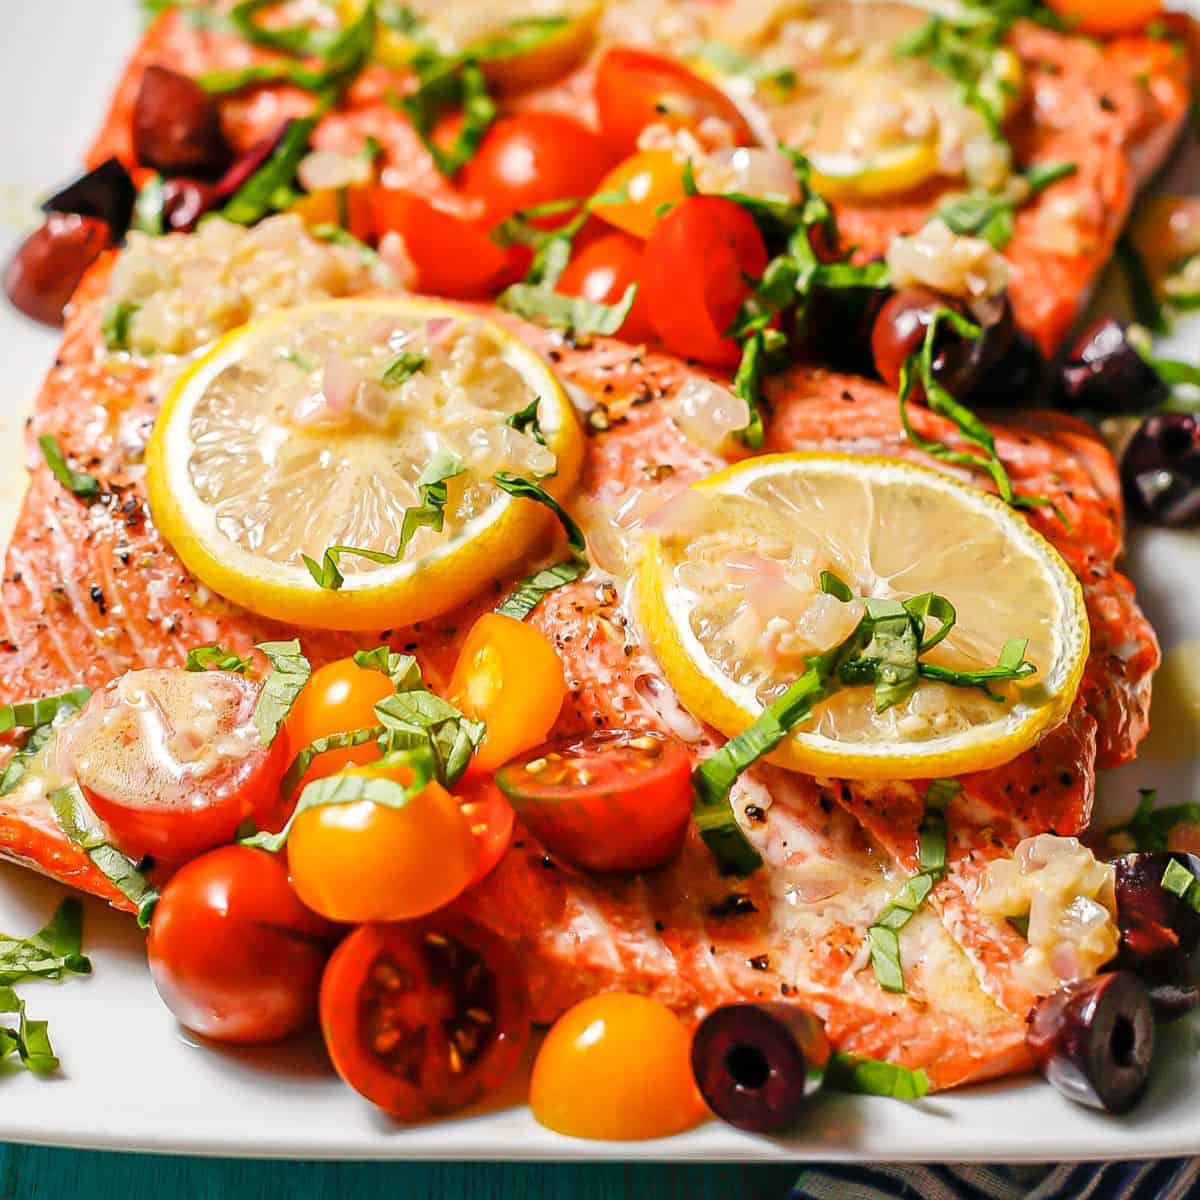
132 1080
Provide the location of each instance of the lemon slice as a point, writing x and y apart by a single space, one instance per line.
311 428
842 175
729 594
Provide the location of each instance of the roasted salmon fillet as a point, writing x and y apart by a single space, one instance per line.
92 590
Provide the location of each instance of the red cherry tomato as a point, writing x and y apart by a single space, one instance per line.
447 254
1106 17
533 158
491 819
234 954
47 267
424 1017
695 271
636 88
612 800
339 698
171 761
602 271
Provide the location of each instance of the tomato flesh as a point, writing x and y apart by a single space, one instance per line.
602 271
1106 17
610 800
640 189
233 953
423 1018
490 817
637 88
171 761
696 272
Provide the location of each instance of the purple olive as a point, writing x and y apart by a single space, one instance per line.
246 164
1151 918
1160 469
107 193
756 1064
176 126
1103 371
46 269
1094 1039
1017 378
1168 978
184 202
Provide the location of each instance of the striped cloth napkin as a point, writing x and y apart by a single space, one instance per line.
1164 1179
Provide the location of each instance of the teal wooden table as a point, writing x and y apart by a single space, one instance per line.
31 1173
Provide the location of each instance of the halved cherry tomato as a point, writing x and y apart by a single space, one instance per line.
610 800
510 677
338 698
1101 17
636 88
234 954
171 761
648 183
533 158
618 1067
601 271
363 861
349 207
423 1018
695 275
490 817
448 255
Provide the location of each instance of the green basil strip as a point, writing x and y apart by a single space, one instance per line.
447 84
522 34
991 216
351 789
81 827
288 674
403 367
927 605
1010 666
905 903
527 489
746 385
833 585
299 40
114 325
1179 881
528 594
536 302
401 669
148 207
54 951
80 483
931 852
1150 828
270 187
30 1039
885 958
1020 925
333 741
200 658
872 1077
526 420
31 714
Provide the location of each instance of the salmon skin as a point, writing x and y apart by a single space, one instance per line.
92 590
1114 109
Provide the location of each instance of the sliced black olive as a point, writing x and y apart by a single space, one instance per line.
1160 469
176 126
837 324
1094 1039
1168 977
1150 917
1103 371
757 1064
47 267
1018 378
185 201
107 193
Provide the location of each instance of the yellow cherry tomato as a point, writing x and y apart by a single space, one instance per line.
367 862
1101 17
646 181
510 677
616 1067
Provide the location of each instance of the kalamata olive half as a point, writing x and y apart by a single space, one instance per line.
106 193
1151 918
1169 979
1103 371
184 202
176 126
1160 469
1018 378
958 363
756 1064
837 324
47 267
1093 1040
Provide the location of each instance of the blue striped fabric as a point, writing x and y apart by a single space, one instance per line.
1164 1179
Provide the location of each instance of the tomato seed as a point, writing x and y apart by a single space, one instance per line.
456 1063
535 765
479 1016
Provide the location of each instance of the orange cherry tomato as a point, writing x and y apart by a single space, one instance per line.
636 88
1101 17
648 182
363 861
447 255
534 158
617 1067
510 677
490 817
425 1017
695 275
234 954
602 271
349 207
338 698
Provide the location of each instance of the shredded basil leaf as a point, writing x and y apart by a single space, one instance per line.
288 674
932 849
350 789
114 326
872 1077
81 827
80 483
31 714
403 367
148 207
401 669
990 215
528 594
54 951
333 741
29 1040
200 658
447 83
299 40
270 187
885 957
833 585
527 489
525 420
1149 828
539 303
1179 881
